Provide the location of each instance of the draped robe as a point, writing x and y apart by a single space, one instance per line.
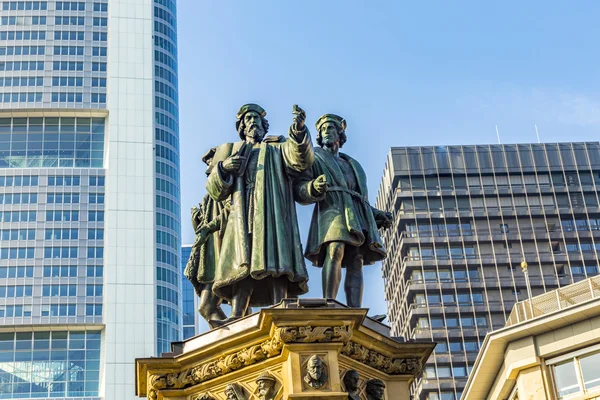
273 248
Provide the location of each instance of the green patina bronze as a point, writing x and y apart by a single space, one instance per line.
260 260
344 228
248 250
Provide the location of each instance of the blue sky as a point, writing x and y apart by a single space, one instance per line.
401 73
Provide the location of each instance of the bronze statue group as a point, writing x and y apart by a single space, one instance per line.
248 250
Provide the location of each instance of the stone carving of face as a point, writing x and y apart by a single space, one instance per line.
375 389
329 134
253 126
265 388
315 368
351 381
230 393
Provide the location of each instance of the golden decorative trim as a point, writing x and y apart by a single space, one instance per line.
221 366
380 362
317 334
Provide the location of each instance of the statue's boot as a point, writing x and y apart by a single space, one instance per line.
217 323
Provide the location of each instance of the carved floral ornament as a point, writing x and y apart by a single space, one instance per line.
273 347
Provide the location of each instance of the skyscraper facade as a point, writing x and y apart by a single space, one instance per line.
191 317
465 218
89 194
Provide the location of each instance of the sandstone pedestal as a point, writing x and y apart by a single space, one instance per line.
300 349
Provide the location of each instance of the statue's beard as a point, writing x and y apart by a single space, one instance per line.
330 143
255 132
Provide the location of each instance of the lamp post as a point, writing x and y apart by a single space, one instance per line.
526 273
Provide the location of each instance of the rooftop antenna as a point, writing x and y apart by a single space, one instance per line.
537 133
498 134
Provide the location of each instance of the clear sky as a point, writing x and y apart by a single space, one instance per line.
401 73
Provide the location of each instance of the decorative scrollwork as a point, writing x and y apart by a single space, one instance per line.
381 362
316 334
213 369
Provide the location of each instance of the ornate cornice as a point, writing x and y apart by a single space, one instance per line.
316 334
380 362
248 356
213 369
273 347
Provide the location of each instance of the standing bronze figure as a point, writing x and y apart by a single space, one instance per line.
260 261
344 227
208 221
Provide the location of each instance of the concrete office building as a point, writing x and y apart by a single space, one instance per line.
465 218
89 194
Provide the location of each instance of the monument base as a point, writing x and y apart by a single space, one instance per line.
300 349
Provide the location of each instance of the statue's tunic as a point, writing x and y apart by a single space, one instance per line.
261 239
343 214
200 268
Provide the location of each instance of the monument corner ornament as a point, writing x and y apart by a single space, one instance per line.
248 253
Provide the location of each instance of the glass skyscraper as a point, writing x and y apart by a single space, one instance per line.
89 194
465 218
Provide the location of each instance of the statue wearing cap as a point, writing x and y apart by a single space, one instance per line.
208 219
266 386
260 261
344 227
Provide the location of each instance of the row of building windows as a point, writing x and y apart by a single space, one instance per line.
444 275
17 216
28 20
17 234
63 20
69 35
167 239
64 180
25 180
169 32
167 275
166 313
451 322
49 310
167 137
24 35
62 215
25 5
54 271
16 272
167 294
168 222
23 66
63 198
61 233
70 6
437 299
453 229
497 157
12 291
70 271
166 105
473 203
457 347
17 253
19 198
163 73
556 179
22 81
165 16
67 81
21 97
446 371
